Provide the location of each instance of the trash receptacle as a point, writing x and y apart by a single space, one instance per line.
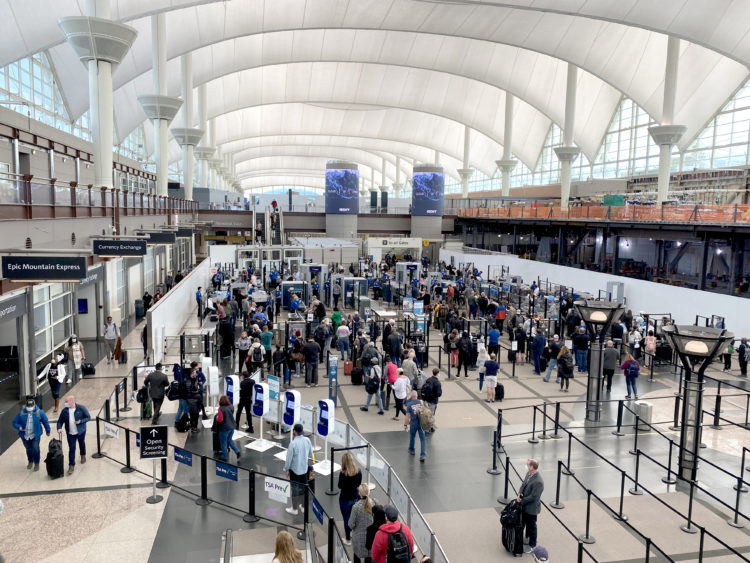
644 411
140 310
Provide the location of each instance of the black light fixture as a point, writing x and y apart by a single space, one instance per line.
598 316
697 347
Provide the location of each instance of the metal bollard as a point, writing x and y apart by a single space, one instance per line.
494 470
587 537
99 453
556 435
557 504
127 468
669 480
688 528
533 439
543 435
620 406
162 484
734 522
676 416
505 499
567 470
331 490
620 516
635 490
203 499
634 451
250 517
717 413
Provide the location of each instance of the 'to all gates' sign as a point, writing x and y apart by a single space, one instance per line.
153 442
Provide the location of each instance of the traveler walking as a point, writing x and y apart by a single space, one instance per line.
553 349
243 347
74 419
195 404
226 426
76 357
631 369
413 406
397 548
157 383
30 422
743 355
400 390
361 518
247 386
609 363
581 344
464 354
373 385
564 368
111 334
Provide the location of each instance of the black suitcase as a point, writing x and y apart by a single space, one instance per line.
124 357
511 520
542 364
183 425
357 376
499 392
511 356
55 459
88 369
216 443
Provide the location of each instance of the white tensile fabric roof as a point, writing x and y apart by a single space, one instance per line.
404 77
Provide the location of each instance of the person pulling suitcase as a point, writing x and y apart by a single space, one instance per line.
74 418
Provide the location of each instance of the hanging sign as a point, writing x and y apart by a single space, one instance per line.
44 268
120 247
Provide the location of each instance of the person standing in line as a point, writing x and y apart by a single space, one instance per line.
30 422
243 346
389 378
464 354
361 518
336 293
227 426
391 526
342 335
375 374
182 395
394 347
491 367
247 387
194 404
286 552
564 368
581 343
727 355
157 384
530 497
74 418
409 365
649 347
296 467
609 363
144 339
168 282
631 369
311 352
266 339
432 390
350 478
111 334
400 390
743 355
413 406
493 345
538 344
76 357
553 347
256 356
178 278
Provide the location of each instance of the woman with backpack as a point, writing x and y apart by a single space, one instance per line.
630 369
453 340
564 368
649 346
256 357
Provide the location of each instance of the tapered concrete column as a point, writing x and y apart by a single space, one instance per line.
507 163
100 44
506 167
158 106
568 152
466 172
187 136
437 158
666 135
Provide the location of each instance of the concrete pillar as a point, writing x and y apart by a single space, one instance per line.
466 172
437 158
101 45
666 135
187 136
507 164
568 152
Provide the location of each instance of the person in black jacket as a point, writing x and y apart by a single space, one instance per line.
581 343
279 359
378 519
387 329
394 348
227 426
195 404
464 354
247 385
432 390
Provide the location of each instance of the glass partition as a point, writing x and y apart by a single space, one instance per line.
419 529
62 195
41 194
379 469
398 495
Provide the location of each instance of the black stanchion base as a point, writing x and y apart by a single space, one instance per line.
567 471
544 437
673 428
556 436
617 433
703 446
620 517
161 485
688 529
669 480
301 535
125 409
557 505
493 471
331 493
734 524
716 427
127 470
505 500
250 519
742 490
98 455
635 491
533 441
586 539
633 452
202 501
155 499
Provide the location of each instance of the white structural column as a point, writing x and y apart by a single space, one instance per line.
466 172
666 135
187 136
397 185
507 164
205 149
437 158
568 152
158 106
383 187
101 45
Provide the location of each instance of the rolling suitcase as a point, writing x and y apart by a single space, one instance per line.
348 366
499 392
512 528
357 376
147 410
88 369
124 357
55 459
183 425
216 443
542 364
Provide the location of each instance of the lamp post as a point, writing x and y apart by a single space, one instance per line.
598 316
697 347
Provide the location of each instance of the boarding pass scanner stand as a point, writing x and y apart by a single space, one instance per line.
325 425
291 403
261 404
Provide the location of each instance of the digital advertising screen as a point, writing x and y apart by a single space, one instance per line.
427 192
342 191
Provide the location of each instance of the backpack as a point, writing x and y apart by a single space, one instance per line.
419 380
632 369
142 395
428 391
511 515
372 385
426 418
257 354
398 547
173 392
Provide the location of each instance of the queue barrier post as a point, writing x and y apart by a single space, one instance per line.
331 535
676 415
567 470
533 439
743 489
620 516
543 435
203 499
635 490
556 435
669 480
648 547
620 407
688 528
128 468
125 407
99 453
587 537
505 499
250 517
580 551
163 484
107 414
634 450
717 413
494 470
557 504
332 490
302 534
734 522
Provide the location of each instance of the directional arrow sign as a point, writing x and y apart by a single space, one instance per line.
153 442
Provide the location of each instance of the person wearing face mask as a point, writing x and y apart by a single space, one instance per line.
74 417
54 377
29 423
111 334
76 357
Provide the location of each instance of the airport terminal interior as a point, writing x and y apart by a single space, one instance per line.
354 281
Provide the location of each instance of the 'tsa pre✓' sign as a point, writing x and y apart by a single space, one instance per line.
153 442
44 268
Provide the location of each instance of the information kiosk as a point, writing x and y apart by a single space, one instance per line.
325 425
261 404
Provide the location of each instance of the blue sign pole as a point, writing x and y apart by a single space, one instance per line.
333 379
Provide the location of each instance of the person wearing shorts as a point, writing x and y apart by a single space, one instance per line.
491 368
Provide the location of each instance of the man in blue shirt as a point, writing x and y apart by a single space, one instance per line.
74 419
198 299
494 341
296 467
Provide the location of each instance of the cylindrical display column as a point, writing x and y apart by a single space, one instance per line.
690 432
427 201
342 199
